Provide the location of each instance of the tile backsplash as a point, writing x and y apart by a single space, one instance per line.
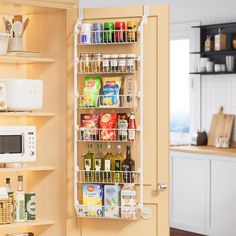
217 91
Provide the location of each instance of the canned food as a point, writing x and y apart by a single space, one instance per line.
97 33
132 31
108 32
30 206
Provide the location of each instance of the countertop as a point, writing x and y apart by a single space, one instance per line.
205 150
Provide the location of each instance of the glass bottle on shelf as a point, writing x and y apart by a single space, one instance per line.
85 63
98 164
128 165
19 202
132 128
10 193
220 41
117 165
107 164
88 164
209 44
97 63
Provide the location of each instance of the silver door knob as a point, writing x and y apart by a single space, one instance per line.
162 187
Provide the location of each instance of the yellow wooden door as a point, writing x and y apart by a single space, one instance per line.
156 127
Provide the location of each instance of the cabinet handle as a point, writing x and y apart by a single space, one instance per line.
162 187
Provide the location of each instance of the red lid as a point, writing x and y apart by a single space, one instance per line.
120 25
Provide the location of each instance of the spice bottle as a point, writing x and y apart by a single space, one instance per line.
120 32
97 62
132 31
122 63
220 41
209 44
106 63
131 62
85 62
97 33
108 32
86 33
132 128
114 63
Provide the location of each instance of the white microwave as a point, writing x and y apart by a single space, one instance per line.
17 144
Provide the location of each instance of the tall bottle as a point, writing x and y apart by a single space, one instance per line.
128 165
132 128
88 164
19 201
117 165
98 164
108 164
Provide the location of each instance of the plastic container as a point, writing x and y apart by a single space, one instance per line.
86 33
97 33
4 41
109 32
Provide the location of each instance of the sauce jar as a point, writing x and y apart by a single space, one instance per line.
114 63
122 63
108 32
85 62
97 62
97 33
132 27
85 33
106 63
131 63
120 32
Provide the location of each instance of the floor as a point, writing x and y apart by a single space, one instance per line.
175 232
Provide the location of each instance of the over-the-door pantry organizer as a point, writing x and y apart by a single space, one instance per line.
125 47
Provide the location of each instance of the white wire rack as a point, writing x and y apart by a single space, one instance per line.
126 213
108 177
102 101
108 37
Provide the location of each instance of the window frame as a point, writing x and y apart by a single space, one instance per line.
185 31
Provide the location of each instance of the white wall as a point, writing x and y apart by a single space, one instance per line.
206 11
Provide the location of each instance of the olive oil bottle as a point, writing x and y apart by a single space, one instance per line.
108 164
88 164
117 165
128 165
98 164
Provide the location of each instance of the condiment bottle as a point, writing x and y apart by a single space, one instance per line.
128 165
120 32
209 46
97 62
132 27
114 63
122 63
98 164
106 63
131 62
220 41
132 128
107 164
108 32
117 165
88 164
85 62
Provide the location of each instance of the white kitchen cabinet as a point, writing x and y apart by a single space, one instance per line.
188 192
203 193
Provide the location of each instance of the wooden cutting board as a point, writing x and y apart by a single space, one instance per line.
221 125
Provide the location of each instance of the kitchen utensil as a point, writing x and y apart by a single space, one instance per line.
26 23
217 67
230 63
4 41
8 25
203 62
17 28
210 66
23 94
221 126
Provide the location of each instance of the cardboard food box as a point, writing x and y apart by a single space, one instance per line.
92 200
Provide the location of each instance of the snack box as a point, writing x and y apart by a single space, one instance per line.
112 201
92 200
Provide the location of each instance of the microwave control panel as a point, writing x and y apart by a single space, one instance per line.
32 143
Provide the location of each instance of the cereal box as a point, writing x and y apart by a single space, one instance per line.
92 200
112 201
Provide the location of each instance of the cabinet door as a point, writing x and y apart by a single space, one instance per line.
222 204
188 192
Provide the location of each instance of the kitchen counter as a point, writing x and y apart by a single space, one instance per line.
205 150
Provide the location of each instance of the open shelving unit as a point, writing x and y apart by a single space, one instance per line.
27 224
136 105
27 169
24 60
27 114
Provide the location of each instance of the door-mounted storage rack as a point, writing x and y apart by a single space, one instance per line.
82 176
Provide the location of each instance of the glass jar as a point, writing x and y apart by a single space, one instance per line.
97 62
131 63
120 32
106 63
97 33
114 63
85 62
109 32
122 63
132 27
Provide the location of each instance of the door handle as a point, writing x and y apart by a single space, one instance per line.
162 187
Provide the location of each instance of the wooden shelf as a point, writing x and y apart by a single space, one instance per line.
27 114
24 60
212 73
216 53
27 169
27 224
216 25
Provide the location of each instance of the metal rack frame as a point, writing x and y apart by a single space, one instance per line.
77 205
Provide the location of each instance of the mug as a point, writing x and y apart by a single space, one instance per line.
202 64
210 66
217 67
15 44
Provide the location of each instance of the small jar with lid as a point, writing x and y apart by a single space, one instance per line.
97 62
85 62
122 63
114 63
131 63
106 63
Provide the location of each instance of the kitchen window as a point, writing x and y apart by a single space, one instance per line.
184 90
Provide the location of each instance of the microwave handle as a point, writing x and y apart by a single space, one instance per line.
23 143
